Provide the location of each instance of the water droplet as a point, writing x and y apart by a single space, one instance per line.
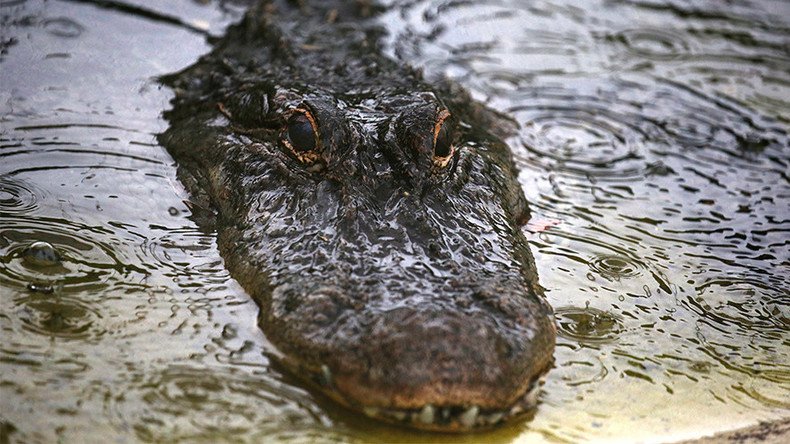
587 324
41 254
616 267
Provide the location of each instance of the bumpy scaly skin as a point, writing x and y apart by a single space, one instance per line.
403 287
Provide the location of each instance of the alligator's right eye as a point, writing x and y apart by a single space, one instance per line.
301 135
443 148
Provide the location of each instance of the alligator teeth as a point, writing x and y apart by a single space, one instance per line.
469 416
495 417
532 397
426 414
516 410
326 375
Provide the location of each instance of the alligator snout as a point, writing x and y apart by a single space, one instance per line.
443 370
468 358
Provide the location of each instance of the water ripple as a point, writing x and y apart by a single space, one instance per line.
177 249
617 267
656 44
183 402
586 142
64 317
616 131
587 325
18 196
747 304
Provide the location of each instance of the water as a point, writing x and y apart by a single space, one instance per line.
653 146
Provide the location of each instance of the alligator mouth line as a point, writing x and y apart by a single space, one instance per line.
458 418
437 418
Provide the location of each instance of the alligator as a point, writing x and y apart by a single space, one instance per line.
374 216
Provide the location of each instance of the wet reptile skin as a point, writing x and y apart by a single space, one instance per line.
401 285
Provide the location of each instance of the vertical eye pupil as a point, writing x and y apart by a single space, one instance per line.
301 134
441 147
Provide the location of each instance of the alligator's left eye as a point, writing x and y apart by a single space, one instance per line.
443 148
301 135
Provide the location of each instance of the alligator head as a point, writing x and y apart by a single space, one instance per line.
374 217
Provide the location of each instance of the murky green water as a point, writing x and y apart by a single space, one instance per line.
653 146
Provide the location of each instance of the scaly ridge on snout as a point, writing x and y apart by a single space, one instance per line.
374 217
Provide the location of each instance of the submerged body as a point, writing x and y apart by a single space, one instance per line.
374 217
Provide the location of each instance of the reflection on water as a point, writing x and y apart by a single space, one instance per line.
653 145
209 403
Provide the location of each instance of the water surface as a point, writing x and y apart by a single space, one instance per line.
652 142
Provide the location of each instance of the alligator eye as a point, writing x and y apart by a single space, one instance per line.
301 135
442 144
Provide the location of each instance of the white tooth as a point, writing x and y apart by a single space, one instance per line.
371 411
326 374
426 414
469 416
400 416
516 410
445 413
495 418
532 396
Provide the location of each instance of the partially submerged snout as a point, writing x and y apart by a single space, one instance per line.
458 362
443 371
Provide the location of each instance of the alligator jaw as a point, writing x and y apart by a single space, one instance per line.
458 418
438 417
